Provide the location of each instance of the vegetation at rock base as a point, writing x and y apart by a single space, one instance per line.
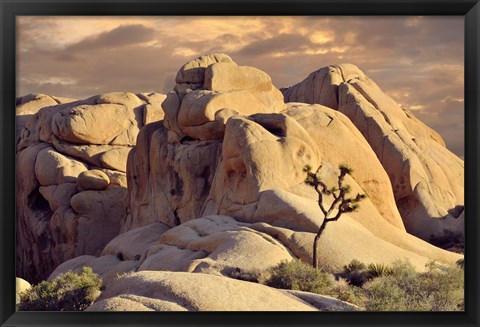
379 287
296 275
341 203
355 273
378 270
437 289
71 291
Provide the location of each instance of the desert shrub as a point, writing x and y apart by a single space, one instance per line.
296 275
405 275
383 294
443 289
71 291
355 265
355 273
403 268
406 290
342 290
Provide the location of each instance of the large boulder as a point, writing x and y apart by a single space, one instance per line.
177 291
30 104
216 245
427 179
212 88
71 174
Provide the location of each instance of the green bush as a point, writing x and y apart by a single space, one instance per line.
343 291
405 290
355 273
394 287
444 290
383 294
296 275
404 269
71 291
355 265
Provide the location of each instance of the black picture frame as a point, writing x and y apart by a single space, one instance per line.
11 8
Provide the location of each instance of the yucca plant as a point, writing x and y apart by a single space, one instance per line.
378 270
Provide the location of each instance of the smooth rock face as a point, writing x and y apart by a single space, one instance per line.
71 164
177 291
262 182
427 178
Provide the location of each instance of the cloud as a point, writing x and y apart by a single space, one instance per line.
418 61
283 43
120 36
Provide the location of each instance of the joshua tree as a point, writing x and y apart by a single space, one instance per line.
340 202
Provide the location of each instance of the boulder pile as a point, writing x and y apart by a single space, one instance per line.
176 192
71 174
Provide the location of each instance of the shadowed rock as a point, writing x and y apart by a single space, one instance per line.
71 180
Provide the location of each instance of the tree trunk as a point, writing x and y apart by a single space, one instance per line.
315 242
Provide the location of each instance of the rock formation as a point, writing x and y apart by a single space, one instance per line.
175 291
216 202
215 186
209 90
71 174
252 172
427 179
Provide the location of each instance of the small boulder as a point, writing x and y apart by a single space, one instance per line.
93 180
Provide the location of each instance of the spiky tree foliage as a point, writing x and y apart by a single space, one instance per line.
341 203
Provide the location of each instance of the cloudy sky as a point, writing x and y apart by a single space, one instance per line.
416 60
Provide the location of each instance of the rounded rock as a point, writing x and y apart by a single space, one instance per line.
93 180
